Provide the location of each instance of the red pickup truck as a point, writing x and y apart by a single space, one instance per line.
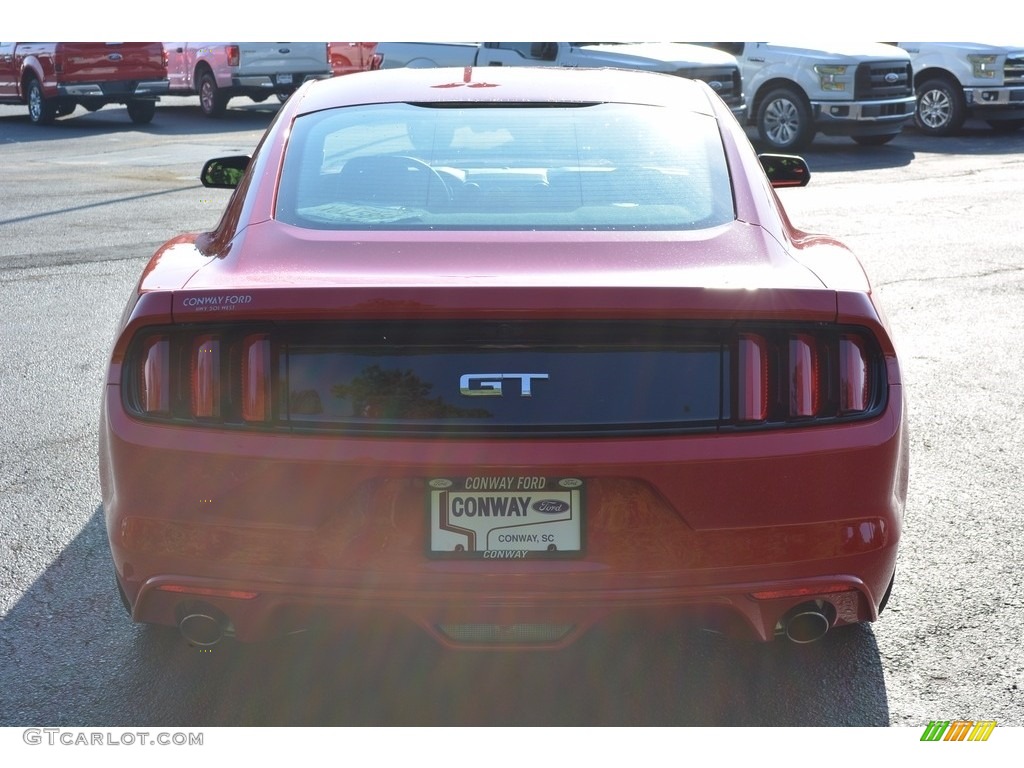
52 79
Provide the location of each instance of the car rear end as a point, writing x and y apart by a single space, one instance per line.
503 436
685 465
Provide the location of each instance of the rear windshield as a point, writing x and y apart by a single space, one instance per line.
505 166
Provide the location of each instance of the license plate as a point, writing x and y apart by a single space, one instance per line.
284 79
505 518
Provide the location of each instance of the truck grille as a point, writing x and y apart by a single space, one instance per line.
1013 73
725 81
884 80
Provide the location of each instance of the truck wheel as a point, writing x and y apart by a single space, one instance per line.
784 120
141 111
212 100
888 593
41 111
940 107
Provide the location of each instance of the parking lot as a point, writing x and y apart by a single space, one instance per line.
936 222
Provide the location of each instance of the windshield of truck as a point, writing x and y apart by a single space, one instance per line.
505 166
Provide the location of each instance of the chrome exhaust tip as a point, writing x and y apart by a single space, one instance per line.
202 625
808 622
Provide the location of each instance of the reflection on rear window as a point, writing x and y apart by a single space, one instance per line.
515 166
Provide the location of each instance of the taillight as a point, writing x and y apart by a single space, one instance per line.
789 375
854 378
154 379
218 375
256 378
804 376
206 377
748 376
234 57
185 589
752 384
775 594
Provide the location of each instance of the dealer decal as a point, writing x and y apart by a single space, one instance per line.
220 303
505 517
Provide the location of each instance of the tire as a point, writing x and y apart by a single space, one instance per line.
212 100
41 111
888 593
875 141
1005 126
941 110
784 120
124 598
141 111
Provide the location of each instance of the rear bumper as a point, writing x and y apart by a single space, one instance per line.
114 90
504 619
277 533
275 83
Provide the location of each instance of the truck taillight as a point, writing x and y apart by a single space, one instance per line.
256 378
154 379
234 56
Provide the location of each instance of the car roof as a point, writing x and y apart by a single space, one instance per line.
505 84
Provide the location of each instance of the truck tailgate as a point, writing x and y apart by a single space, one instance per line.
91 62
277 58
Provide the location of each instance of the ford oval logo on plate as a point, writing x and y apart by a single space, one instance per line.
550 506
440 482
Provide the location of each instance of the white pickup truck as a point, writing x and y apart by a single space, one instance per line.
955 81
219 71
718 69
863 91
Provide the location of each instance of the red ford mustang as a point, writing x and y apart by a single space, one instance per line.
503 353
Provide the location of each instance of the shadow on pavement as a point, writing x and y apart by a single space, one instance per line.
73 658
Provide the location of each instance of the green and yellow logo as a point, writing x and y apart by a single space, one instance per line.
958 730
